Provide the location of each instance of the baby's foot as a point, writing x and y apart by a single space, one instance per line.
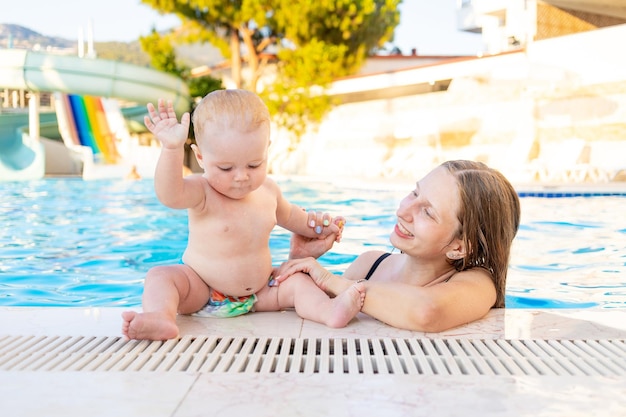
148 326
346 305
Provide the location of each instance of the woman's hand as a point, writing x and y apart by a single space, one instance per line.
309 266
302 247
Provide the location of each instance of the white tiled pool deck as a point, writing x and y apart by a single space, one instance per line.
40 393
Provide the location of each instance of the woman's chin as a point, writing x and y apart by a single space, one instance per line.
395 240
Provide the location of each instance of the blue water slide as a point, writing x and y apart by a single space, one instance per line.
21 156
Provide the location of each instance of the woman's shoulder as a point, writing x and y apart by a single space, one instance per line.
365 260
371 256
472 274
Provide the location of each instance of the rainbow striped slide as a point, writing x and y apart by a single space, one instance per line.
82 121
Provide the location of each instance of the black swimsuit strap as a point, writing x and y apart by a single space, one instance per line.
375 265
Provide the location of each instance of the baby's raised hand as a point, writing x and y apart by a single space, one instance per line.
163 124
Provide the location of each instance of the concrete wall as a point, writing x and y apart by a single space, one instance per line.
501 110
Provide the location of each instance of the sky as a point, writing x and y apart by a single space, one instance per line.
427 25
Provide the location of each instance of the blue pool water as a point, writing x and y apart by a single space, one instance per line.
68 242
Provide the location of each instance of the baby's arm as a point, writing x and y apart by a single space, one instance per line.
168 177
307 224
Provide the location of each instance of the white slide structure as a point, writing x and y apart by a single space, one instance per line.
43 72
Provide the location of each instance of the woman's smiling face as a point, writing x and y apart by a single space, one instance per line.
427 217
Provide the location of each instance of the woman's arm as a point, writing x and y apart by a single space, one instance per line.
430 309
467 297
310 266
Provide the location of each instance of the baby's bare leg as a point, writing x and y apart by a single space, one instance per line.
311 303
167 291
149 326
346 305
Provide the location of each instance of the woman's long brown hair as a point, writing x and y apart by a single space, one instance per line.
489 216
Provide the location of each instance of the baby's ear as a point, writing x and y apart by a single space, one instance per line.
197 154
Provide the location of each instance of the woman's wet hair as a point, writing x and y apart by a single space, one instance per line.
489 215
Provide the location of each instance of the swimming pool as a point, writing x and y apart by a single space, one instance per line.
69 242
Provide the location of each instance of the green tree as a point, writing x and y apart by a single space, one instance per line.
162 53
163 57
315 43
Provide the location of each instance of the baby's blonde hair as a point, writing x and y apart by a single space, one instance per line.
239 109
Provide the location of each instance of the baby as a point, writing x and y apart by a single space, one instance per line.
232 208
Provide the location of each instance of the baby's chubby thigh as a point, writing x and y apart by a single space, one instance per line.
267 299
276 298
193 291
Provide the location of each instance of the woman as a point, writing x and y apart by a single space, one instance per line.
454 232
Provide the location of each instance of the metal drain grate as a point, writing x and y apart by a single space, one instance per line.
286 355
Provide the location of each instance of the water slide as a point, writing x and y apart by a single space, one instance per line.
22 156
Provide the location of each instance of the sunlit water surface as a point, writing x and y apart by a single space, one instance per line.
68 242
